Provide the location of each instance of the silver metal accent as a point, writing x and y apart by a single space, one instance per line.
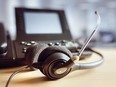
32 42
75 59
61 70
24 51
28 44
50 44
24 48
22 42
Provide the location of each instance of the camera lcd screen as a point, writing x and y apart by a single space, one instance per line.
42 23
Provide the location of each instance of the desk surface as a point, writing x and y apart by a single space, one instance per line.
102 76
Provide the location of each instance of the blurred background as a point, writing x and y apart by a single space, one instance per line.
79 13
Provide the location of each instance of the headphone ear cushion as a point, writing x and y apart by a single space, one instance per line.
49 51
33 52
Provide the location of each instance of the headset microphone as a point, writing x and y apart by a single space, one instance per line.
73 64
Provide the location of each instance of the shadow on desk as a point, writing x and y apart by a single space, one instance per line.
42 79
36 77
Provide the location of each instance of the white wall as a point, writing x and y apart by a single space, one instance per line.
80 16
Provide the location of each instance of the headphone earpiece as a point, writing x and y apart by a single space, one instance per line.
33 52
56 61
51 58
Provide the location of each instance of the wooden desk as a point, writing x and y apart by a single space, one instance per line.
103 76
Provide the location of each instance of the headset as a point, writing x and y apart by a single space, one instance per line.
57 61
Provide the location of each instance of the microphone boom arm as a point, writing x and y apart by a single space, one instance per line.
91 36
